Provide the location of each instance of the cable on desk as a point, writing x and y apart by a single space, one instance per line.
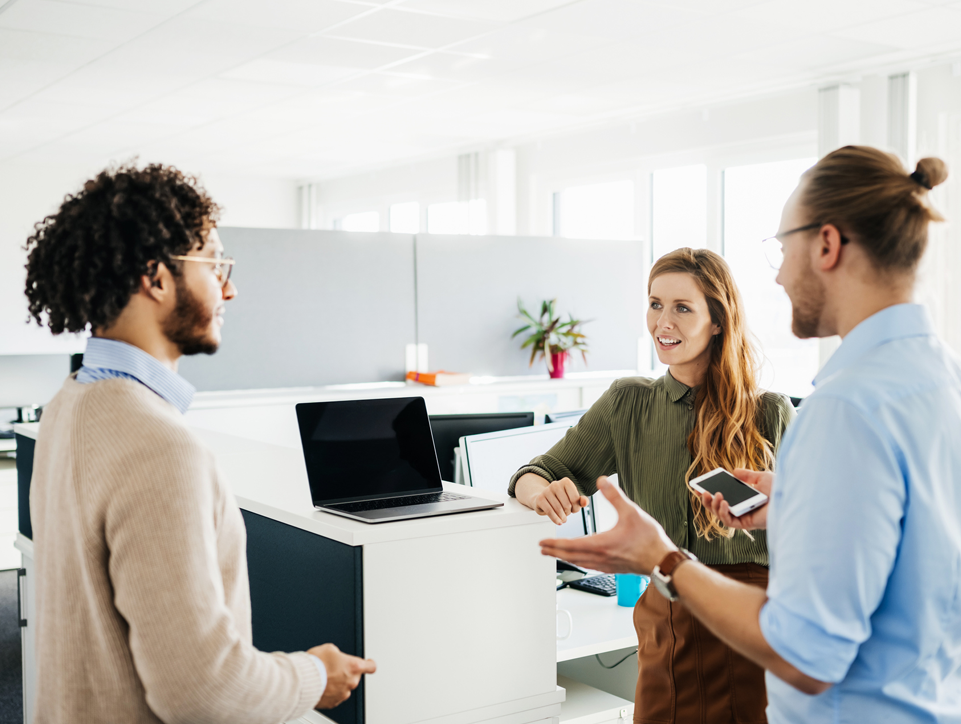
614 666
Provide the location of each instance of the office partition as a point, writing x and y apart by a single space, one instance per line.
331 307
468 286
313 308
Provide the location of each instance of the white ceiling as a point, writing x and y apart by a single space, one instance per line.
319 88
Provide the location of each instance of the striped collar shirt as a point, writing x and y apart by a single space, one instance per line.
106 359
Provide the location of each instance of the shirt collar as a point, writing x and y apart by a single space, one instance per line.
675 390
110 354
896 322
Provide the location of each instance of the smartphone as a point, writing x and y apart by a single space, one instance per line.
739 495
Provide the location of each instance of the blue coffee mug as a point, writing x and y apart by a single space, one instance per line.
629 588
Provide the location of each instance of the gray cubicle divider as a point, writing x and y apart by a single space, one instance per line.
313 308
467 290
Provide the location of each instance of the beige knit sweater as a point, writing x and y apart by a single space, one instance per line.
143 605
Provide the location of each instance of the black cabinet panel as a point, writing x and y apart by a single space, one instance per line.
306 590
25 448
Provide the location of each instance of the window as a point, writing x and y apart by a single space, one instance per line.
753 198
457 217
362 221
597 211
405 218
678 209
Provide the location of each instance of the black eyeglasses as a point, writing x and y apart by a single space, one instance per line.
774 245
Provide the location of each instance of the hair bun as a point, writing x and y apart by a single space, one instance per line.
930 172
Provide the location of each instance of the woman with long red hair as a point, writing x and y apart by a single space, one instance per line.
656 435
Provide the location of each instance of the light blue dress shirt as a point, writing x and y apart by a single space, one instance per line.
106 359
864 533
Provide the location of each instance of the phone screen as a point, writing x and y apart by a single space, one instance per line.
734 490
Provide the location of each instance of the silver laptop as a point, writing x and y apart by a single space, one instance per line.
374 461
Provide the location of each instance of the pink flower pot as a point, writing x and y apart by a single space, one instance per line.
557 362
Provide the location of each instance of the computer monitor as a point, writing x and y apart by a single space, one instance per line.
571 416
31 379
492 458
449 429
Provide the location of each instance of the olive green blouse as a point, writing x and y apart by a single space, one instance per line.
638 429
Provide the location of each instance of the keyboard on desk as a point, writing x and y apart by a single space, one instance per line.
398 502
602 584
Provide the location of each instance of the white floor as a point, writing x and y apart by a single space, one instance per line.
9 556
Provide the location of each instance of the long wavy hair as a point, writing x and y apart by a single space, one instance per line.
727 407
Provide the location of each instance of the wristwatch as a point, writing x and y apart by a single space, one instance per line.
663 574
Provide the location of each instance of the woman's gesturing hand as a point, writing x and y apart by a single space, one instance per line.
753 520
559 500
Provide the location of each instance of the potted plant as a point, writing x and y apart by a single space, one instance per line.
550 337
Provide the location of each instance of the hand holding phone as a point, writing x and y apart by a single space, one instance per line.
738 499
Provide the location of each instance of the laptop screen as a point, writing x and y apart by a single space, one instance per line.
364 449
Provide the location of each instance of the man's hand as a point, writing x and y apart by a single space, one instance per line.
559 500
635 545
753 520
343 674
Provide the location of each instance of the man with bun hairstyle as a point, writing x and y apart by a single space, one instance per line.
861 620
143 604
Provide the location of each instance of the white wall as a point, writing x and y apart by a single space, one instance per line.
939 134
759 129
28 193
771 128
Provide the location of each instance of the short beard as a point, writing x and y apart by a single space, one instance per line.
807 310
188 325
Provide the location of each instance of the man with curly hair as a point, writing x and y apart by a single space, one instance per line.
143 603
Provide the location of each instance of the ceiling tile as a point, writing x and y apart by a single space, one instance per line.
825 16
577 104
31 72
498 11
118 141
614 19
217 98
168 8
816 52
918 30
411 29
521 45
511 121
71 116
198 47
46 47
84 21
328 103
266 70
394 84
111 86
341 53
457 66
713 7
306 16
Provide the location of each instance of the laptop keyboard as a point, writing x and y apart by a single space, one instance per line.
398 502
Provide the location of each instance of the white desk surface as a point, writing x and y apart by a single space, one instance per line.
27 429
599 625
478 385
271 480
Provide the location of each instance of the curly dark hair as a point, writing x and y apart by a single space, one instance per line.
86 260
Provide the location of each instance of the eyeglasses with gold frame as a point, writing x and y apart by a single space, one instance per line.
221 262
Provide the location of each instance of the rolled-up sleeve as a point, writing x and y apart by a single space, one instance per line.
584 453
834 536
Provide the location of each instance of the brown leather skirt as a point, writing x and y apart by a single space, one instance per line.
686 675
